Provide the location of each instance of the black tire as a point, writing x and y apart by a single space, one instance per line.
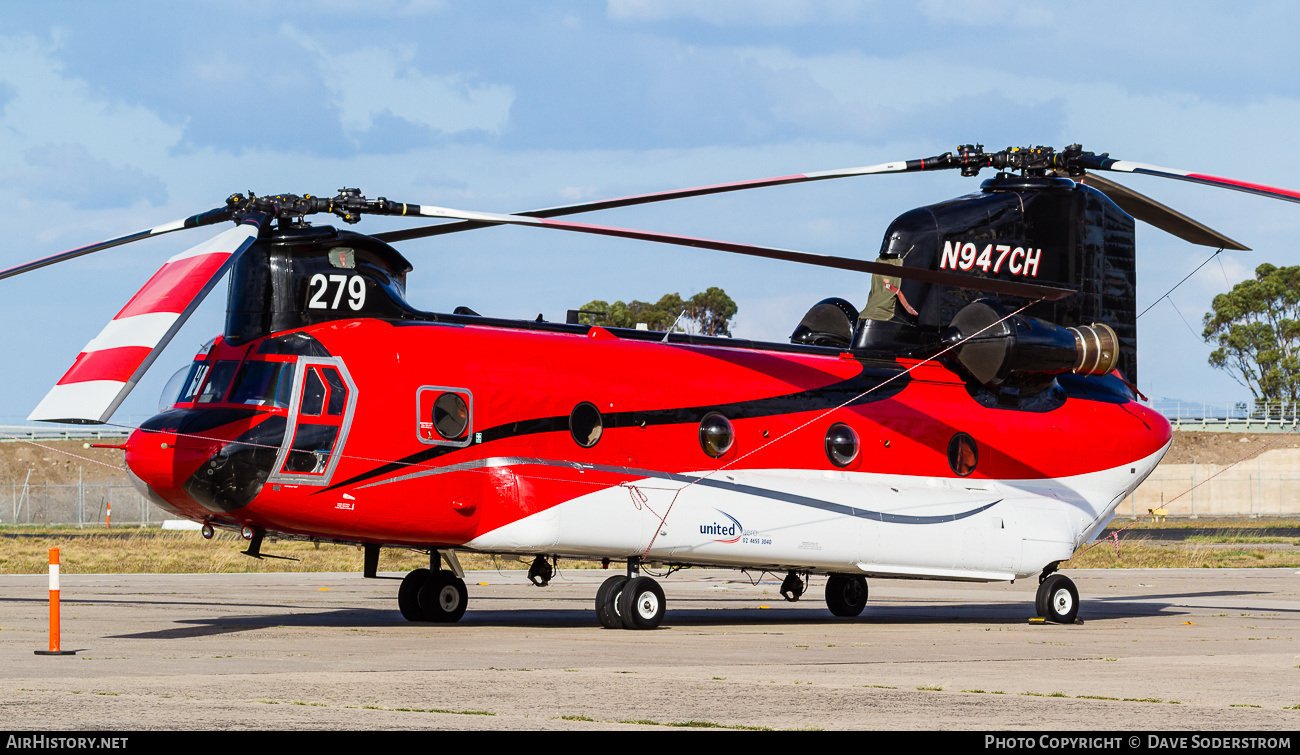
846 595
1040 599
607 602
408 595
641 604
444 598
1060 599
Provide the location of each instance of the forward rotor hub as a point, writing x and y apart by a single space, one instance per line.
348 204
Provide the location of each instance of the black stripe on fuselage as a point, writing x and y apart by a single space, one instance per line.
854 391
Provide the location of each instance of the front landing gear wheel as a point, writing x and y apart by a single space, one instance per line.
641 604
408 595
846 595
1059 599
443 598
607 602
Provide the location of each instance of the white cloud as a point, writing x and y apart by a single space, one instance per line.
371 82
1016 14
48 107
736 12
346 9
1169 127
68 173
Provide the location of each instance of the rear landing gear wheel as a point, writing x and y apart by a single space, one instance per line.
641 604
1059 599
607 602
846 595
443 598
408 595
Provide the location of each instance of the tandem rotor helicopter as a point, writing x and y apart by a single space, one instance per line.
976 421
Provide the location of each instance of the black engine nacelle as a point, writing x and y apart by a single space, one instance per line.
998 349
830 322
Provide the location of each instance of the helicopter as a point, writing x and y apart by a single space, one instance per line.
978 420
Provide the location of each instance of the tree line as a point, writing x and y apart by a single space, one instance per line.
1256 329
707 313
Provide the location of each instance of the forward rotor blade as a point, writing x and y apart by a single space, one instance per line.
1165 218
1103 162
193 221
993 285
905 166
114 361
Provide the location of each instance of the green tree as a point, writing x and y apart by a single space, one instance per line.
709 313
712 311
1256 327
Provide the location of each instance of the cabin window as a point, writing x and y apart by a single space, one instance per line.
450 416
963 454
716 434
218 381
264 384
444 415
585 424
841 444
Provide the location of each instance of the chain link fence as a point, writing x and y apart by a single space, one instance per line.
86 505
1256 416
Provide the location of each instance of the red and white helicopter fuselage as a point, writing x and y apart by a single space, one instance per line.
517 479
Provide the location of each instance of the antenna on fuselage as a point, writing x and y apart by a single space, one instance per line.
670 327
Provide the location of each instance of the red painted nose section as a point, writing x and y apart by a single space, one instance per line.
152 458
169 451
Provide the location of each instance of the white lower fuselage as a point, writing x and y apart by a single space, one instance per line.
832 521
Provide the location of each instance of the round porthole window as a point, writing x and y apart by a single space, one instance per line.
963 454
841 444
450 416
716 434
585 424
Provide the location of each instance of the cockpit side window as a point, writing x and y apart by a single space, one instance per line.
263 384
338 393
192 382
313 395
218 381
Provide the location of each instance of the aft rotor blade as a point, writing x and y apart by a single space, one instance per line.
904 166
193 221
1103 162
114 361
993 285
1165 218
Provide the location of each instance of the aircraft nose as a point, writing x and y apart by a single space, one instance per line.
149 466
148 457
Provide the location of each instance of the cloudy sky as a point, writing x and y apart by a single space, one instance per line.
118 116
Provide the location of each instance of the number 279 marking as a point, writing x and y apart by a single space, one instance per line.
320 283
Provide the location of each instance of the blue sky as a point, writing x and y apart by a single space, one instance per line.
118 116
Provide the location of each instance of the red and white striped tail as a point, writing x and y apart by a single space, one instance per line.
115 360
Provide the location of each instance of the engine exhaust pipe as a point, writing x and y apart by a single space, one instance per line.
996 348
1097 347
